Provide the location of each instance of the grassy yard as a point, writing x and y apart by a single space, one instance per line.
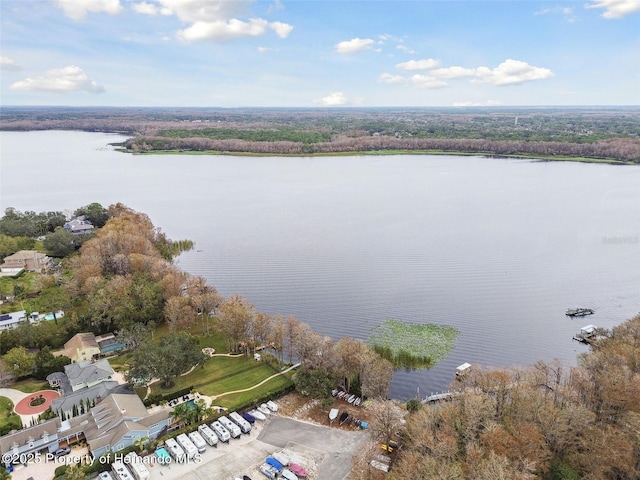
219 375
252 396
30 385
8 420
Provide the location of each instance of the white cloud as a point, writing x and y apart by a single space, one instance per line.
193 11
487 103
59 80
282 29
425 64
334 98
453 72
512 72
78 9
277 5
354 45
616 8
9 65
145 8
390 78
230 29
406 49
267 49
425 81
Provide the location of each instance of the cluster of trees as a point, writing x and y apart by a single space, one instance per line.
621 149
324 363
19 230
546 421
19 362
499 131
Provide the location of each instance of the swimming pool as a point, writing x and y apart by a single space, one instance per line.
163 456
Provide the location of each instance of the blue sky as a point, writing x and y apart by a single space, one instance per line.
306 53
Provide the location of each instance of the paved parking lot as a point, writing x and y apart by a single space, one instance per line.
330 447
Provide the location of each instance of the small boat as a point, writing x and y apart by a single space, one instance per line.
272 406
268 471
281 457
249 418
288 474
272 462
299 470
343 417
264 409
579 312
333 414
258 415
341 394
334 392
357 402
351 399
246 477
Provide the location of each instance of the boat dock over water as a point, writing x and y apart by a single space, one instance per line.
587 334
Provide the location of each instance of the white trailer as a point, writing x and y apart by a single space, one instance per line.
136 465
222 433
120 471
198 441
209 435
234 429
187 445
241 422
175 450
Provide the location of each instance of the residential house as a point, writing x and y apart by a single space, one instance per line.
87 374
80 347
28 260
11 320
85 346
39 438
83 397
115 423
78 225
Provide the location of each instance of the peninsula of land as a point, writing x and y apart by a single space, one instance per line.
587 134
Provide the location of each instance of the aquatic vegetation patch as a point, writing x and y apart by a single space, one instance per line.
412 345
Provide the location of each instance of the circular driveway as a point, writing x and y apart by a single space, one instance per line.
23 407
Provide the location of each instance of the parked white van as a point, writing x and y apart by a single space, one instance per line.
209 435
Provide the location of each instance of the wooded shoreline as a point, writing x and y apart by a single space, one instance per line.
585 134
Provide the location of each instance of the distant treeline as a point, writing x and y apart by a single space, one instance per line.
611 133
621 149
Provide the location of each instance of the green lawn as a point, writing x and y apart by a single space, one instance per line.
30 385
219 375
8 420
252 396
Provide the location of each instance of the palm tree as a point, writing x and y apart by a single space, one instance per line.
140 442
182 413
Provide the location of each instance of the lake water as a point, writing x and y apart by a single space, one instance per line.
497 248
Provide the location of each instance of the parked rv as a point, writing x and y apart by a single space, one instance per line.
175 450
244 425
187 445
222 433
209 435
136 465
198 441
120 471
234 430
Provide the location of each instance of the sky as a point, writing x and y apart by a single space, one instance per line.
319 53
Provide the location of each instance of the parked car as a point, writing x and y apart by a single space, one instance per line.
62 451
